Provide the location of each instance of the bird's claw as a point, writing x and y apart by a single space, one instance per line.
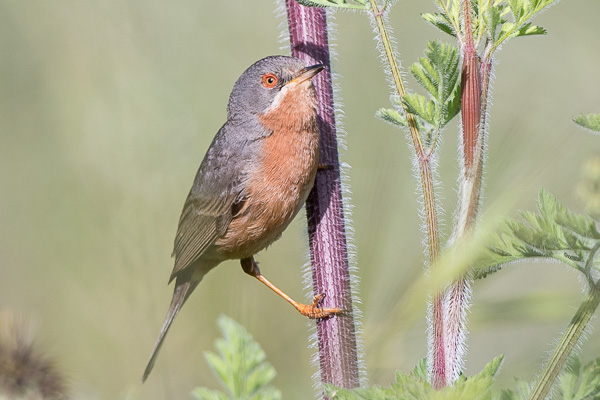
312 310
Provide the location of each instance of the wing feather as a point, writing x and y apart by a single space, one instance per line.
207 211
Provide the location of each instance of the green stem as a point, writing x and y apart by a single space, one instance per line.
423 157
437 329
567 344
397 76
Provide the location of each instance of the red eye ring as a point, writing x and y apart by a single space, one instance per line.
269 80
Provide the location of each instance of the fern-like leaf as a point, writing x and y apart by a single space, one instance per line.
438 73
554 232
240 365
580 382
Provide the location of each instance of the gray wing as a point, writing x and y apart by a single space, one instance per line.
207 211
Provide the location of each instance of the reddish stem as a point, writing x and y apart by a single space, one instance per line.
438 346
471 93
324 208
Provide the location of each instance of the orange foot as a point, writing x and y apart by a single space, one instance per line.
312 310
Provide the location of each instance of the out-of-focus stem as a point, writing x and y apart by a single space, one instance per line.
437 329
566 345
324 208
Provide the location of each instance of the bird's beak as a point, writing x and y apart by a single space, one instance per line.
306 73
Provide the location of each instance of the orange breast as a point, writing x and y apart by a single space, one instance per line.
277 188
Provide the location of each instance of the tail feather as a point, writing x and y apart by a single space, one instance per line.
184 286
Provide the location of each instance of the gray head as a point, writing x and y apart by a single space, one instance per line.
258 87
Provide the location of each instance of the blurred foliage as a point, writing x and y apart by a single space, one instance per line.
588 188
589 121
580 382
555 232
415 386
241 366
106 109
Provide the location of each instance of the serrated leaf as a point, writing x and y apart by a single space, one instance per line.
492 18
579 382
529 30
452 106
418 105
371 393
392 116
522 393
415 386
421 371
589 121
438 73
522 12
241 366
440 21
554 232
426 75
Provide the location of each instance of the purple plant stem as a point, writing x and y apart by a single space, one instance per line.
324 208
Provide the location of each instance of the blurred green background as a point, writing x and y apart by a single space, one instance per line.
106 110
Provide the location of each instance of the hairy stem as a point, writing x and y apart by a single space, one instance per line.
324 208
438 345
566 345
473 109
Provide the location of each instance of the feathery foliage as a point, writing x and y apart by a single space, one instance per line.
493 21
240 365
438 73
415 386
555 232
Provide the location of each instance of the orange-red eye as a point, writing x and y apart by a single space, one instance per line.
269 80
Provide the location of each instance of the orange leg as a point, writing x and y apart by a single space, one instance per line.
311 311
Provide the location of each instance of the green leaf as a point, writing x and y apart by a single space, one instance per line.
529 30
415 386
418 105
452 106
371 393
580 382
241 366
440 21
207 394
392 116
438 73
520 12
554 232
492 19
516 7
589 121
523 389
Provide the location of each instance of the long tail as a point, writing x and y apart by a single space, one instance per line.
184 286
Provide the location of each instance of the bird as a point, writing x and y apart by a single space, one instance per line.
255 177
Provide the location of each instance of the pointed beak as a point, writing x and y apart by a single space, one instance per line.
306 73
